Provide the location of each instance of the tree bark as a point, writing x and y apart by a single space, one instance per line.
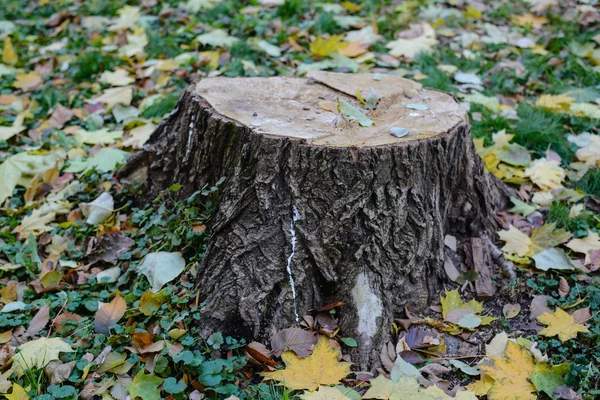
310 213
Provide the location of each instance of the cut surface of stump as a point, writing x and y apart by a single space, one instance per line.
316 209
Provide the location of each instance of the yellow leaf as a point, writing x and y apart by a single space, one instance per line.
481 387
511 375
560 324
452 301
472 12
560 102
546 174
320 368
9 56
516 241
28 82
325 393
405 389
529 19
18 393
38 353
411 47
324 47
585 245
589 154
439 394
36 223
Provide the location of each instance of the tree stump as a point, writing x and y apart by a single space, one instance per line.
316 209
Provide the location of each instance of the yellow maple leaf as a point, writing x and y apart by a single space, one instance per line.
546 174
560 102
516 242
28 82
511 375
325 393
405 389
9 56
324 47
38 353
452 301
411 47
18 393
560 324
481 387
320 368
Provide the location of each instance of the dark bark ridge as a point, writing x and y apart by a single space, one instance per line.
300 225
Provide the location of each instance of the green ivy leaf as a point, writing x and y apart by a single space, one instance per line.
145 387
172 386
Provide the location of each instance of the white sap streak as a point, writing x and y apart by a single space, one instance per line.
189 140
295 217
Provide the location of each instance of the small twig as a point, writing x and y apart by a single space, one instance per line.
55 318
498 257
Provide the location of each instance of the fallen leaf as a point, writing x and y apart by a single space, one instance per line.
28 82
405 389
110 247
560 324
217 38
320 368
585 245
39 321
553 258
511 375
411 47
105 160
324 47
18 393
547 378
452 301
101 136
118 77
98 210
161 268
60 116
325 393
511 310
353 113
145 386
563 287
297 340
108 314
546 174
38 353
516 242
9 56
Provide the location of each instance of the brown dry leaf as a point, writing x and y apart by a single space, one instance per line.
109 314
563 287
60 116
320 368
260 353
141 339
539 305
60 320
297 340
39 321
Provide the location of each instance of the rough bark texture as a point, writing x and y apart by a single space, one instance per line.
363 225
